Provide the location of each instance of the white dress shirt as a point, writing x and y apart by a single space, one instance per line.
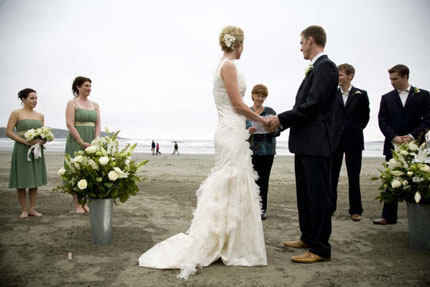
345 94
317 57
404 95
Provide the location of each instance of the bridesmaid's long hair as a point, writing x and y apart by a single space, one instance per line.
78 82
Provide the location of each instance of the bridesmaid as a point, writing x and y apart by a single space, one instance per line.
24 173
83 123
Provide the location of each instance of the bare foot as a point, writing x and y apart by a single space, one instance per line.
87 210
79 209
35 213
24 214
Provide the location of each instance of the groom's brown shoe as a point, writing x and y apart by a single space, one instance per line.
296 244
308 257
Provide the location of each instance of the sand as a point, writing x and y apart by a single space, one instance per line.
34 251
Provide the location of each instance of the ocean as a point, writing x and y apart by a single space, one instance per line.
372 148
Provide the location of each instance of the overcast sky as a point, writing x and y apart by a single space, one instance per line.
152 62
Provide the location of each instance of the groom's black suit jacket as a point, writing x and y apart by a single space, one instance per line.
351 118
396 120
310 119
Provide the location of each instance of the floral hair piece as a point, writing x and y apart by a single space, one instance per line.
229 41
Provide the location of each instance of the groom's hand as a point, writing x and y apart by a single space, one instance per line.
273 123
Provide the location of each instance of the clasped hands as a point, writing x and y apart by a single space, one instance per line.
402 139
270 124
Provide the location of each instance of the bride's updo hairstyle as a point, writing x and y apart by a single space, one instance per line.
229 38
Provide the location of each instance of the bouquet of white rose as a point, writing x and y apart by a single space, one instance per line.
407 175
43 133
102 170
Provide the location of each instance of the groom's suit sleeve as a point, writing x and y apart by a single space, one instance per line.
320 90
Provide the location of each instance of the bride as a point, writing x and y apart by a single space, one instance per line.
227 221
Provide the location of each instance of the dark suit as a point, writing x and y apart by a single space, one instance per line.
311 141
349 121
396 120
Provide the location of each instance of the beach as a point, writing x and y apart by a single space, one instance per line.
34 251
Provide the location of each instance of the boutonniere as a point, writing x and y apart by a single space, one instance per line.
416 90
357 93
308 70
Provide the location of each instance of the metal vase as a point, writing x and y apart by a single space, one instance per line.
419 225
101 220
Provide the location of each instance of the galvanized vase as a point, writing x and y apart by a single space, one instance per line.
101 220
419 225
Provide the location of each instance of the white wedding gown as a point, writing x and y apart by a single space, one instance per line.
227 222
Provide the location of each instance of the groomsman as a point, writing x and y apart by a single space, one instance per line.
404 115
310 141
350 118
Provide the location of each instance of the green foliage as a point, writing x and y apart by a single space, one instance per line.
103 170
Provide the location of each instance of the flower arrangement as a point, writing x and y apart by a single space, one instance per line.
230 41
407 175
43 133
102 170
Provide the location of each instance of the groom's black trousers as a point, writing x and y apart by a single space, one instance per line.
313 202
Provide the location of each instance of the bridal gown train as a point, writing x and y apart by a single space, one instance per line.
227 221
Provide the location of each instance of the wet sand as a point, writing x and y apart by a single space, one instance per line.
34 251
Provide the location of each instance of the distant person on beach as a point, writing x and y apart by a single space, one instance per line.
350 118
175 149
83 123
153 148
25 170
404 116
158 149
262 144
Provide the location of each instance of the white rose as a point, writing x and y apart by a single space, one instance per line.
91 149
413 146
112 175
396 183
417 179
103 160
425 168
78 158
405 183
397 173
120 173
61 171
82 184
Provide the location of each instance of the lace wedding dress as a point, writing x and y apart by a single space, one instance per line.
227 222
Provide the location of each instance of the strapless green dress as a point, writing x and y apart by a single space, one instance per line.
24 173
85 124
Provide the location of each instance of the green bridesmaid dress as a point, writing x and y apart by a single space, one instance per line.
25 173
85 124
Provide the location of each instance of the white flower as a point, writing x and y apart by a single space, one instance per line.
417 179
229 41
396 183
30 134
93 164
405 183
393 163
422 156
120 173
417 197
91 149
82 184
127 162
103 160
112 175
61 171
78 158
397 173
413 146
410 173
404 152
425 168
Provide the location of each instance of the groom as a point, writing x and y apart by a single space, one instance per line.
311 142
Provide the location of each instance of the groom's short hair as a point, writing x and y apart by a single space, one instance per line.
399 69
317 33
